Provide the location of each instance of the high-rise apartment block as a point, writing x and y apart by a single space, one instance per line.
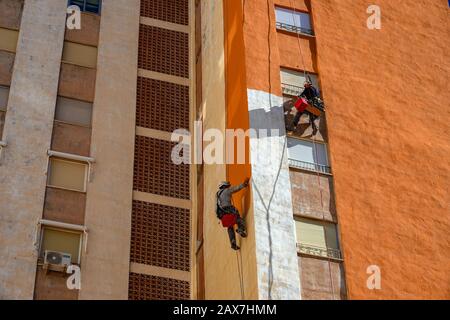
352 203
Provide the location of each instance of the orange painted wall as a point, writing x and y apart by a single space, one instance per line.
261 55
387 97
301 5
297 52
238 118
236 92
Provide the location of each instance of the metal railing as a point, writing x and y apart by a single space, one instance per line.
295 29
291 90
309 166
318 251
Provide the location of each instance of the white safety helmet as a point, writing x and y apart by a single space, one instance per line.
224 185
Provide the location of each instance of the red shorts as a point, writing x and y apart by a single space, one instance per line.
228 220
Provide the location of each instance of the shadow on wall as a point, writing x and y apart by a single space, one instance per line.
260 119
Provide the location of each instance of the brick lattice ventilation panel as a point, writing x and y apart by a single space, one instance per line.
175 11
160 236
162 105
145 287
154 171
164 51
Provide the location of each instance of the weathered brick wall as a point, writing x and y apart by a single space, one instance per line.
160 235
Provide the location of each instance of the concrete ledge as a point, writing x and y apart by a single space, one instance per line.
157 199
160 272
153 133
163 77
164 24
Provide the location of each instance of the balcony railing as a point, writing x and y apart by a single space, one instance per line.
309 166
318 251
295 29
291 90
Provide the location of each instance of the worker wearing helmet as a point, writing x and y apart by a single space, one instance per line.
227 212
310 95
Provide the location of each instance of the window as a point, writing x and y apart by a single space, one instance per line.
293 21
4 94
317 238
292 82
73 111
307 155
8 39
93 6
79 54
60 240
65 174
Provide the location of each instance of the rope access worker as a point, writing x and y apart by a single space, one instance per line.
227 212
309 97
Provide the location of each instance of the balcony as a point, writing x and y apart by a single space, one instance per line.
291 90
309 166
319 252
294 29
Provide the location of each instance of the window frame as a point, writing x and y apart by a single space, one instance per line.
336 252
318 167
294 29
83 9
314 78
44 226
86 173
59 105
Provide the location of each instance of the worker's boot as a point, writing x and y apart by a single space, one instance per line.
234 246
241 230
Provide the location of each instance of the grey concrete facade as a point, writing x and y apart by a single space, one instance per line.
276 254
105 265
28 130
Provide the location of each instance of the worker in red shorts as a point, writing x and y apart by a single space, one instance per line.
227 212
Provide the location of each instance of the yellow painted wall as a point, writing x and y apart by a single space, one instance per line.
222 276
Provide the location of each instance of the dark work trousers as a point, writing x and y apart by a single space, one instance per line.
312 119
240 223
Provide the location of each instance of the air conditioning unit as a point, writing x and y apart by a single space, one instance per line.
56 261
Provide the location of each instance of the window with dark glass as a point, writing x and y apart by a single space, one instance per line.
93 6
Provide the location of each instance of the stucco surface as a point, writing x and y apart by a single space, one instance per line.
272 201
11 13
238 118
387 97
28 129
222 279
6 67
261 56
321 280
105 265
77 82
312 195
64 206
53 286
89 32
300 5
71 139
297 52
